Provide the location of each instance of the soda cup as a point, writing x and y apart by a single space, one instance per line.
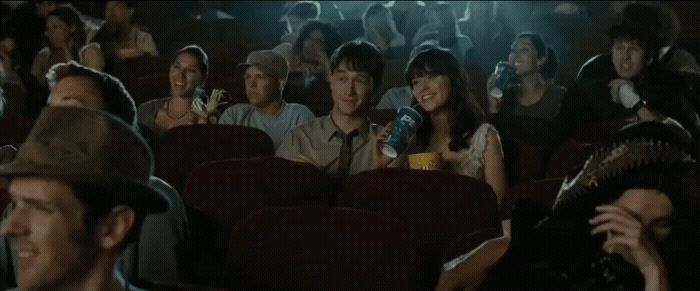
504 71
405 125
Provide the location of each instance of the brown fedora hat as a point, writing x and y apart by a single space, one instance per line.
89 147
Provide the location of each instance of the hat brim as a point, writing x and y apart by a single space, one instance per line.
242 67
136 194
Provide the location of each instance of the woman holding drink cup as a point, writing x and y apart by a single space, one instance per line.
453 123
188 103
532 66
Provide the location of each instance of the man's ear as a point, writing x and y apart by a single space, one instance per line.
116 226
281 84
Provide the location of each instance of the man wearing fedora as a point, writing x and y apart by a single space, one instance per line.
77 202
155 256
265 73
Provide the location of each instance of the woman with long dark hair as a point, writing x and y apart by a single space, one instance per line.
186 105
65 31
453 122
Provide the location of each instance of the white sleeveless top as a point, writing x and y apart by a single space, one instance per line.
470 160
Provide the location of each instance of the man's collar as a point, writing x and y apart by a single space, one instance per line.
330 130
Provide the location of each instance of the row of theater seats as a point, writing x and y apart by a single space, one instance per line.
426 213
226 173
244 204
530 154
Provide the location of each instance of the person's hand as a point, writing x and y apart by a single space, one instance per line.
627 237
379 160
622 92
494 103
208 113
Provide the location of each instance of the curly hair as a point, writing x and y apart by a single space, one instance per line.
332 37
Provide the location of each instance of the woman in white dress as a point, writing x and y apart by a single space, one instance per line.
453 122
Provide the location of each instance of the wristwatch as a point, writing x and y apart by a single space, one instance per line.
641 103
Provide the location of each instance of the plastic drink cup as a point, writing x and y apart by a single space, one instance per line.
405 125
504 71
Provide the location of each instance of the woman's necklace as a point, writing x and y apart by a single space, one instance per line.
167 112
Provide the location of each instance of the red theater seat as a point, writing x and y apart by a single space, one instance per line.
14 129
185 147
313 248
543 192
439 206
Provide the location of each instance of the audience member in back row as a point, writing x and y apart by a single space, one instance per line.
265 74
119 39
441 28
533 94
311 52
402 96
344 142
380 30
453 123
26 26
639 90
66 33
484 24
154 258
77 202
188 74
299 14
671 57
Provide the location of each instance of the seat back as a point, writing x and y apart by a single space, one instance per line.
229 190
312 91
16 97
185 147
439 206
569 159
219 194
542 192
314 248
14 129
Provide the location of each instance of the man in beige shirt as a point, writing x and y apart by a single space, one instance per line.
356 74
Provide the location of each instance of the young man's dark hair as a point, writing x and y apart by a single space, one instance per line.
642 23
117 99
360 56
